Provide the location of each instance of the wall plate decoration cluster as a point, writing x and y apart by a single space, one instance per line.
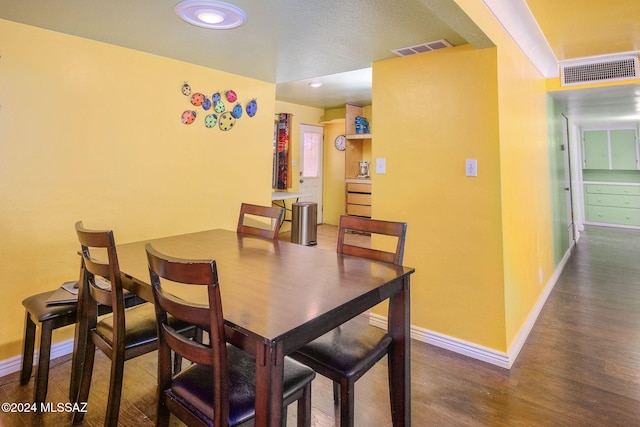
221 110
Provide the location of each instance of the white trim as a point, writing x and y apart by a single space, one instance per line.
466 348
604 224
475 351
517 20
522 336
13 364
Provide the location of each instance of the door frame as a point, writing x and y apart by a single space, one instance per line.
566 149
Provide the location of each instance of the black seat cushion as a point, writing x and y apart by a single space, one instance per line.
193 387
41 311
140 326
348 349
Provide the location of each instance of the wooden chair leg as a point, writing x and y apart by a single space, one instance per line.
115 391
27 349
85 380
76 373
162 412
304 407
346 404
79 354
44 358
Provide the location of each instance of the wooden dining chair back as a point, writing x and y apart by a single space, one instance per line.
121 336
372 227
273 213
102 275
346 353
218 388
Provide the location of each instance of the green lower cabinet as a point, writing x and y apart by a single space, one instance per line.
612 189
613 200
610 215
612 204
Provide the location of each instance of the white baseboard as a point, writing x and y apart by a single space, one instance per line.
449 343
602 224
522 336
475 351
13 364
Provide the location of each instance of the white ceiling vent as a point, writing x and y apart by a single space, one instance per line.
601 70
421 48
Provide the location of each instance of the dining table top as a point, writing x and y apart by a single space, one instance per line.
269 288
278 296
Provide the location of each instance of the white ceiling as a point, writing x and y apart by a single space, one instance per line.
292 42
603 107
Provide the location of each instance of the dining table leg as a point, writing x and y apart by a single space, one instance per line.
269 385
400 356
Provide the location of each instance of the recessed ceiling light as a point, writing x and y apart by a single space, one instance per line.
210 17
211 14
315 84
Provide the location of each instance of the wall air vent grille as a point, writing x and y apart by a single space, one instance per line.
421 48
605 70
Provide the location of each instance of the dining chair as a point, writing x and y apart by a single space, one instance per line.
219 388
346 353
44 316
121 336
274 213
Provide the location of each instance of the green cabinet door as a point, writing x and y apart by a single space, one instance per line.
623 149
596 149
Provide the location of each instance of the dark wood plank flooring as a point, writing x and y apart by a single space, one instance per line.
579 367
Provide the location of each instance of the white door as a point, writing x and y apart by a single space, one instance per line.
311 148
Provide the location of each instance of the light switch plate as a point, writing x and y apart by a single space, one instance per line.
472 167
381 165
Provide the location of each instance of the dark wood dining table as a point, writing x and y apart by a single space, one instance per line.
278 296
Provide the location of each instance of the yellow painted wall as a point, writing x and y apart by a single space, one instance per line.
555 85
458 284
478 244
92 131
433 111
334 185
525 172
528 244
334 114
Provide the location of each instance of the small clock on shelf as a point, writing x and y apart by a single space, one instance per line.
340 142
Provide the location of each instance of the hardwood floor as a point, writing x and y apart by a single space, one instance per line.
579 367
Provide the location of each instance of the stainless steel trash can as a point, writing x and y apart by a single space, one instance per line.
304 223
